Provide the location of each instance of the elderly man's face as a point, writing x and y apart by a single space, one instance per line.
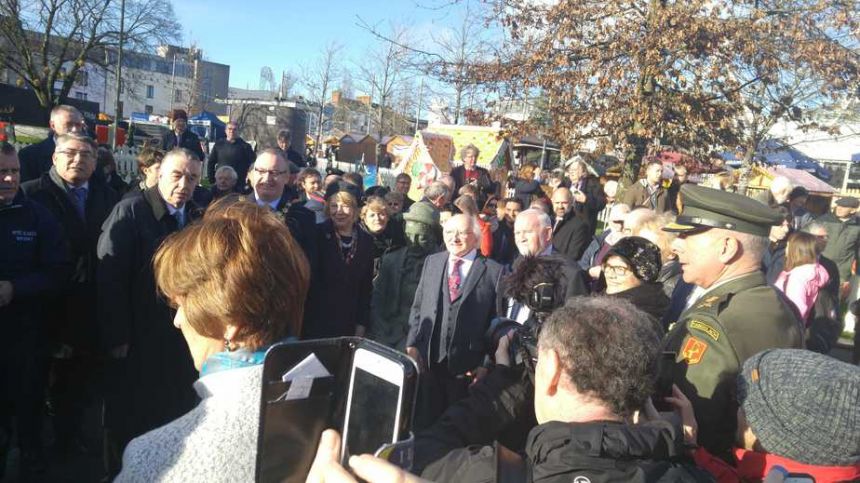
459 235
575 172
269 176
654 174
75 162
844 211
66 122
530 237
177 178
10 177
225 180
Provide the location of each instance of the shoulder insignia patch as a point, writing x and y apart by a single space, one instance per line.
708 302
701 326
693 351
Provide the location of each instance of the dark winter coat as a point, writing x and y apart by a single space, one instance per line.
636 196
571 236
843 242
37 159
484 183
238 155
455 448
34 257
773 261
595 201
648 297
188 140
153 384
339 297
504 245
74 316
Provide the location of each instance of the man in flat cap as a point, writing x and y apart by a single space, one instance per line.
843 236
732 313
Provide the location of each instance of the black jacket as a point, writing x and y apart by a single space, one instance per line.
571 236
339 296
37 159
302 224
484 184
595 201
34 257
460 446
154 384
504 245
648 297
238 155
74 316
189 141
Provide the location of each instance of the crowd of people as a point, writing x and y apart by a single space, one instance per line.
157 301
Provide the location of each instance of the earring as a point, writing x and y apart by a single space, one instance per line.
229 345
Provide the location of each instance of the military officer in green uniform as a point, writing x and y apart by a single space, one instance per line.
732 313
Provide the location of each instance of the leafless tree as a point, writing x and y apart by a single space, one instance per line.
318 79
382 71
46 42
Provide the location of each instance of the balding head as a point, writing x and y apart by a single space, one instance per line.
562 202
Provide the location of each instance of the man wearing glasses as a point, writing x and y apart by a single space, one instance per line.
36 158
80 202
269 175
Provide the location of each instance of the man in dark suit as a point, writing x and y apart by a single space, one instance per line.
533 236
571 233
454 303
269 175
150 376
36 159
588 196
80 202
471 173
180 137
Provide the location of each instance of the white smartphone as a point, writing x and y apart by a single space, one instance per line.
374 404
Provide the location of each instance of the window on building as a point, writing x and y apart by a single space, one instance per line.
150 92
147 109
82 78
177 95
81 96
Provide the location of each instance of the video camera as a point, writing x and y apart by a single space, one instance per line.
539 284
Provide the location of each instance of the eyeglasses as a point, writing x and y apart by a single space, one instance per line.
271 172
617 270
74 152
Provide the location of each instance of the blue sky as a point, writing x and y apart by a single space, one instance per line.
285 34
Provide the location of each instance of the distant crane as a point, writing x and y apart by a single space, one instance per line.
267 79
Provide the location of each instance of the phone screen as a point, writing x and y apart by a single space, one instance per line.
374 404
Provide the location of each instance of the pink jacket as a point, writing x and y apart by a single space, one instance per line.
801 285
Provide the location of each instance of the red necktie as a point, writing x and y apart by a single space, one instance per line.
454 279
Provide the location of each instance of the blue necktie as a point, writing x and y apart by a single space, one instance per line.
180 218
79 199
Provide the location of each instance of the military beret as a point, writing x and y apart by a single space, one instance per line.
848 202
712 208
422 212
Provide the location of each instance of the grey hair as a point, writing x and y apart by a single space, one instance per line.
754 246
813 227
65 108
435 190
473 224
541 216
187 153
228 169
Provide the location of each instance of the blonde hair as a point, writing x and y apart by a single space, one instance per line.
342 197
374 203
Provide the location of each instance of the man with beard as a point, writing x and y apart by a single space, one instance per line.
399 272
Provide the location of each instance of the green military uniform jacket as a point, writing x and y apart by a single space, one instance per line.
713 338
